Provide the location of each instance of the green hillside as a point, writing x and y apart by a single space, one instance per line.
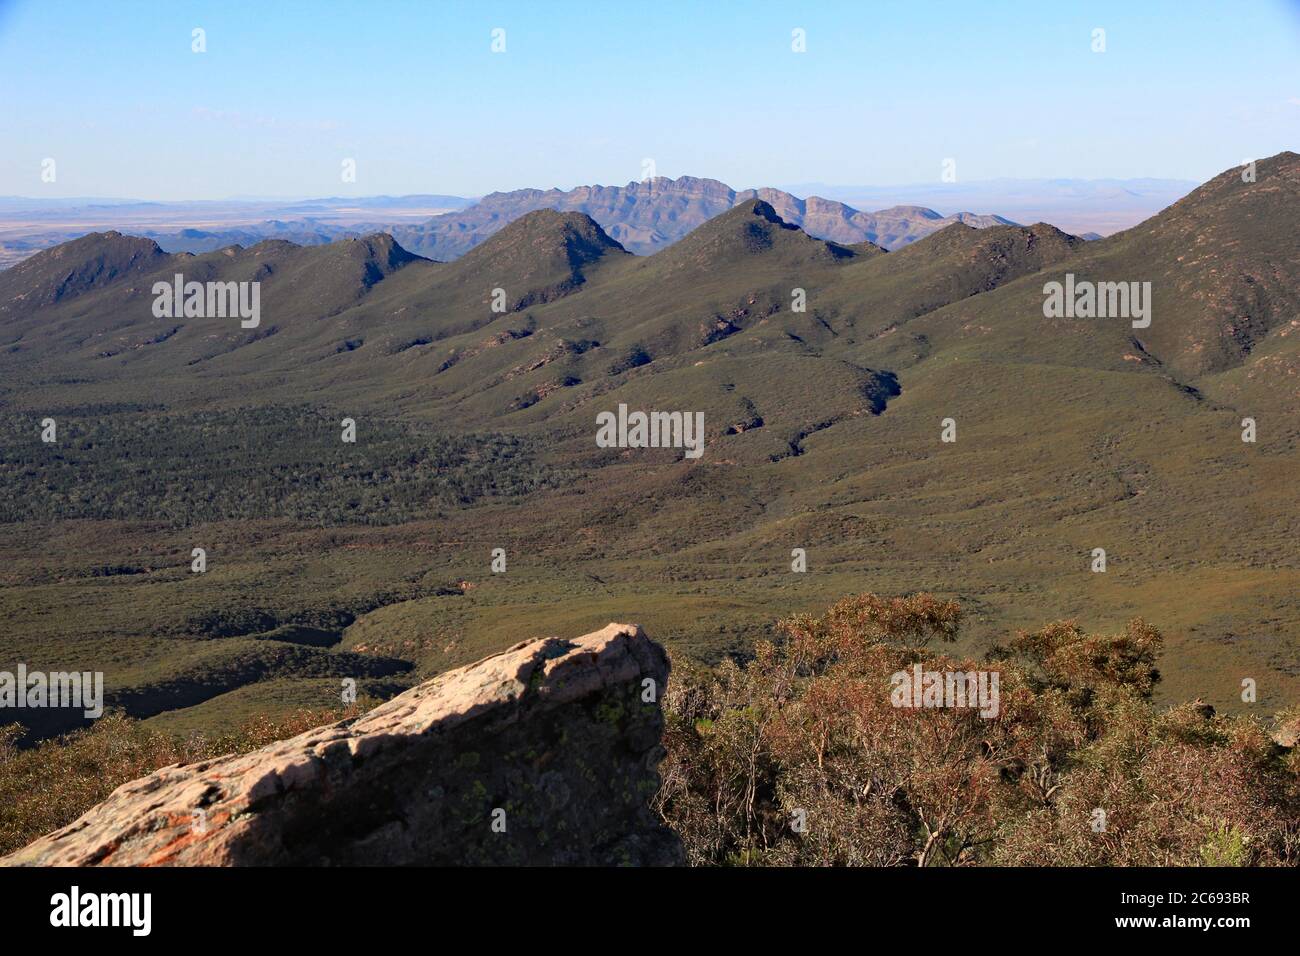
476 430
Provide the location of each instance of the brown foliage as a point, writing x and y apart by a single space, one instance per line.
801 757
48 786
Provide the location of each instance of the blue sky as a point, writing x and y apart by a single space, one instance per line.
586 91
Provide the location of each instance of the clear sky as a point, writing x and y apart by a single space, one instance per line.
584 92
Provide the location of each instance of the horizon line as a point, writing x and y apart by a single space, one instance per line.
944 186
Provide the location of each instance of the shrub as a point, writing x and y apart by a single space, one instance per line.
801 758
48 786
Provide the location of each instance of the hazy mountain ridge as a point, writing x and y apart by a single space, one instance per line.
28 225
830 212
647 216
643 216
1079 206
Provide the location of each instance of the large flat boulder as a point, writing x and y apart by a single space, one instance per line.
544 754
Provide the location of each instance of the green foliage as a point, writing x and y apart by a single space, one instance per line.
822 433
1225 847
822 430
251 463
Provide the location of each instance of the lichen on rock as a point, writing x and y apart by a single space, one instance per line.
545 754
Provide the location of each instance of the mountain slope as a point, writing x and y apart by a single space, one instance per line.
101 306
1225 265
75 268
826 373
543 255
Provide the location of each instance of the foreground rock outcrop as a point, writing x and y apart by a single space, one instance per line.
544 754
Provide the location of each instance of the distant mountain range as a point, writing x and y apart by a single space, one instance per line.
1079 206
28 225
644 217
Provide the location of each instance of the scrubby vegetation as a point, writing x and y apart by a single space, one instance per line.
49 786
800 758
243 464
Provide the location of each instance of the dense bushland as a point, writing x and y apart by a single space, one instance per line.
244 464
800 757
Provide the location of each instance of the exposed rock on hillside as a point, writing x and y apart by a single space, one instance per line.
554 732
